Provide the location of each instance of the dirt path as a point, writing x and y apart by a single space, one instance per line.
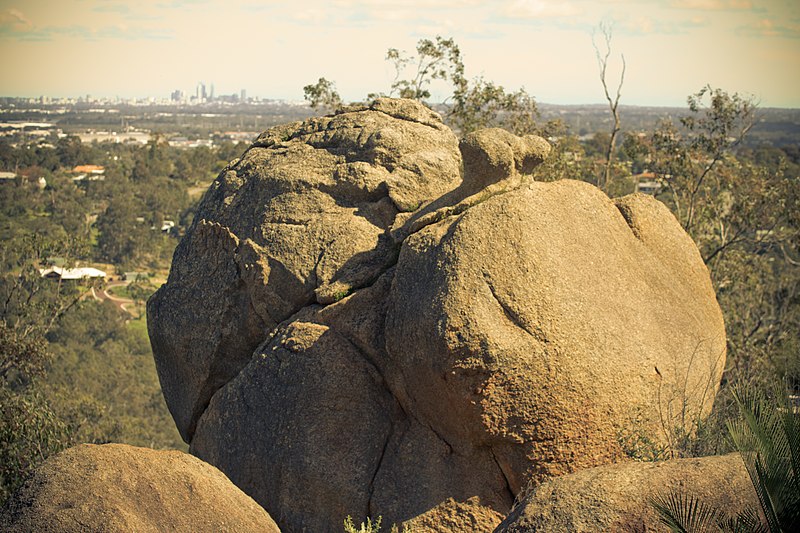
103 294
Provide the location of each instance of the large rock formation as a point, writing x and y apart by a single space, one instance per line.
352 326
119 488
301 218
617 497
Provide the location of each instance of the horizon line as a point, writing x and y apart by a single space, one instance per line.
162 100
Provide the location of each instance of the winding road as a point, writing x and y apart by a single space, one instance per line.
103 294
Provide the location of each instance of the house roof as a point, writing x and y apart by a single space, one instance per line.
90 169
645 176
71 273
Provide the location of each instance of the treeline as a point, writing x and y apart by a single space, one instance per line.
73 369
114 213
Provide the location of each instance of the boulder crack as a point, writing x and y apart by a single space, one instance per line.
627 215
405 118
509 492
389 435
512 315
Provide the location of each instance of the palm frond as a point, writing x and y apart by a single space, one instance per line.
767 438
747 521
790 417
684 513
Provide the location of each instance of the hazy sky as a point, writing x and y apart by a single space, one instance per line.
273 48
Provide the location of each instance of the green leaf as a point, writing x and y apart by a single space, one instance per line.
683 513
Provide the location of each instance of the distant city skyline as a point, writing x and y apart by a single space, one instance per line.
272 48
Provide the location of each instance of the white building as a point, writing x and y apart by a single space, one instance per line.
56 272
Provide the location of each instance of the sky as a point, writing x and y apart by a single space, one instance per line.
272 48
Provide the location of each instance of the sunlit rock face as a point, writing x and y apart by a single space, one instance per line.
618 497
369 318
116 488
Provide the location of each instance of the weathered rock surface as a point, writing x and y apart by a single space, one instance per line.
120 488
493 154
300 218
615 497
335 353
549 323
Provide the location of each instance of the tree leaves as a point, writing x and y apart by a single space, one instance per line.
322 95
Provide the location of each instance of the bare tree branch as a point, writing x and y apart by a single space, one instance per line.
613 103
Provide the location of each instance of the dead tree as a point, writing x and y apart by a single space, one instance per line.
613 103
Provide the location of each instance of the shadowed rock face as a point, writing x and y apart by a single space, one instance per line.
119 488
363 323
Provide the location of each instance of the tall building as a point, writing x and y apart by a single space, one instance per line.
243 97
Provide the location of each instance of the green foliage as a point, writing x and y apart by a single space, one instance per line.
472 105
71 370
741 208
340 295
767 435
481 104
122 239
323 95
74 370
31 305
22 358
98 352
685 514
29 428
29 432
370 527
72 152
143 186
687 160
637 443
768 438
438 59
138 290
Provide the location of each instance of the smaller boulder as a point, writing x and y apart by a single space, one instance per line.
493 154
121 488
616 497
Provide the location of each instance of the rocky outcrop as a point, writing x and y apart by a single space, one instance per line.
119 488
617 497
363 323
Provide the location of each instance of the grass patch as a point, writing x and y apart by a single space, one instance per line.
120 291
138 325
